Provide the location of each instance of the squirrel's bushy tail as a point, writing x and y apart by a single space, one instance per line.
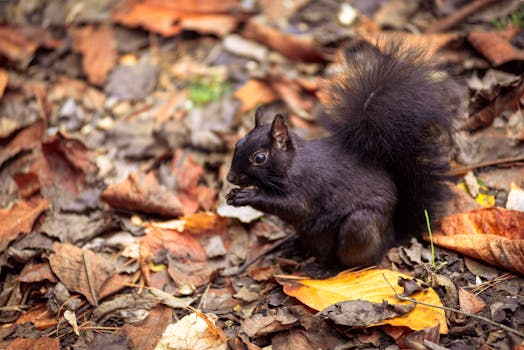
391 108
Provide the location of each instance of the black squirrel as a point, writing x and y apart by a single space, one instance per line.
352 194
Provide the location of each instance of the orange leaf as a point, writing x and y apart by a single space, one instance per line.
371 286
494 235
3 81
98 49
19 219
253 93
295 47
495 48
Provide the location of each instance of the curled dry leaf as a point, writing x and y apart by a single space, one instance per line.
39 343
19 219
369 285
493 235
495 47
143 193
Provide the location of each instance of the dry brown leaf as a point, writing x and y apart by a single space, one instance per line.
495 48
44 343
33 272
40 316
170 18
187 173
369 285
494 235
28 184
470 303
25 139
82 270
253 93
295 47
143 193
65 162
98 49
19 219
146 334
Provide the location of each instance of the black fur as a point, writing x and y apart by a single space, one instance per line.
351 194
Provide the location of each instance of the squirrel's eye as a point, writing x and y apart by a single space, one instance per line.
260 158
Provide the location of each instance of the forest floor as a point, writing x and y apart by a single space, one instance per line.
118 121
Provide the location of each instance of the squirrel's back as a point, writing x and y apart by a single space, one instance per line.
391 108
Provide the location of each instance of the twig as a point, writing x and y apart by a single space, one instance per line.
251 261
430 238
458 16
463 170
480 318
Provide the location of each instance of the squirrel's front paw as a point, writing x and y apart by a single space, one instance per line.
239 197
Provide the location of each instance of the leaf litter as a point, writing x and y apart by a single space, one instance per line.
117 123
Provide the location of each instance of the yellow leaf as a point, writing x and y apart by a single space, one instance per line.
156 267
368 285
486 200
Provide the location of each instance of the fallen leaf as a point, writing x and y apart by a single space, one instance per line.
3 81
19 219
26 139
40 316
495 48
169 19
81 270
65 161
470 303
259 325
493 235
28 184
147 334
253 93
371 286
193 331
18 44
97 45
36 272
44 343
295 47
187 173
361 313
143 193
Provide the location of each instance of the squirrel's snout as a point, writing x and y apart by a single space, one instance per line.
232 177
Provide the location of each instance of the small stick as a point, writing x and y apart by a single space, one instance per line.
480 318
457 17
463 170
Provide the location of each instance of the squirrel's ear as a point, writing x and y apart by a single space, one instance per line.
279 132
259 116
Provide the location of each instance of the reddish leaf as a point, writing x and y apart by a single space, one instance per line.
3 81
495 48
494 235
147 334
40 316
24 140
170 18
44 343
98 49
28 184
65 161
295 47
187 173
144 194
19 219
